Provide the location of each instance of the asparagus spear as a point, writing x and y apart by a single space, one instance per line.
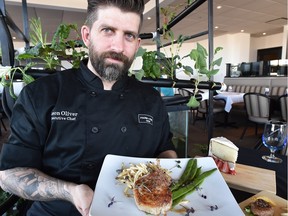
181 192
190 167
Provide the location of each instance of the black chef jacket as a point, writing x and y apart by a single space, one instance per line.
65 124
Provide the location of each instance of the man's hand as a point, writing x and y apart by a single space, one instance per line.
168 154
34 185
82 196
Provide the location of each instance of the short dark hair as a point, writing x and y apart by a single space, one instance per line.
135 6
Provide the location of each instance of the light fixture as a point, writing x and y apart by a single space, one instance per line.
242 30
264 33
14 38
149 18
216 27
219 7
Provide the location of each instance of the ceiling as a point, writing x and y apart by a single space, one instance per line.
252 16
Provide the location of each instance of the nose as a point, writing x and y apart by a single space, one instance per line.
117 44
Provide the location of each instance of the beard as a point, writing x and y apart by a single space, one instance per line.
109 71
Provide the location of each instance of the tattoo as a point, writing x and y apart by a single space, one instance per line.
34 185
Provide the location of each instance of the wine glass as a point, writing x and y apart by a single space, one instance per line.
275 138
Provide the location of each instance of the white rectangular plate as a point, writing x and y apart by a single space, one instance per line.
109 198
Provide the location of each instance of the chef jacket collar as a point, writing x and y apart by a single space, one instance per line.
95 81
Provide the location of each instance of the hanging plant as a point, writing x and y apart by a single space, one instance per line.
200 57
158 64
52 53
8 77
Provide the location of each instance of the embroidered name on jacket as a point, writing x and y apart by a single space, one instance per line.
145 119
63 116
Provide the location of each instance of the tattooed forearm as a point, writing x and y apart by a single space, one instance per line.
34 185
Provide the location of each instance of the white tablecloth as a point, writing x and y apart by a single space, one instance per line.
230 98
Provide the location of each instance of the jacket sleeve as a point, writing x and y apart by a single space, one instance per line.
23 148
166 139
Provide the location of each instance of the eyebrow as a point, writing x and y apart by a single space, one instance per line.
114 28
133 33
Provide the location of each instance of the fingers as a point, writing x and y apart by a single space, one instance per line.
82 198
84 212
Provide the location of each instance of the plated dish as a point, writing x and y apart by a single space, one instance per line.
213 197
279 204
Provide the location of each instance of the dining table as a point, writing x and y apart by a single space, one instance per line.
230 98
252 157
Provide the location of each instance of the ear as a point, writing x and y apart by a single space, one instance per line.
138 44
85 33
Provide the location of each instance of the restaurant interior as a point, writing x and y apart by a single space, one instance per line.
248 91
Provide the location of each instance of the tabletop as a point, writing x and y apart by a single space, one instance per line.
253 157
230 98
259 179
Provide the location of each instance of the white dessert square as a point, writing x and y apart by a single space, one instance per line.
224 149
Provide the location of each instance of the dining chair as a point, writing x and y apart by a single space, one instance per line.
218 108
204 106
257 108
283 101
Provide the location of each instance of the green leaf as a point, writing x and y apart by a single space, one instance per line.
200 56
140 52
217 62
201 63
194 55
176 57
160 55
11 92
150 65
36 35
204 71
188 70
193 102
180 39
202 50
211 73
171 35
4 82
185 56
24 56
27 78
139 74
218 49
156 71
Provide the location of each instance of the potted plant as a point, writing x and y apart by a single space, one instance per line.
158 64
7 79
52 53
45 55
199 56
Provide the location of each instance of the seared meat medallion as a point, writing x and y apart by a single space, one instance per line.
152 193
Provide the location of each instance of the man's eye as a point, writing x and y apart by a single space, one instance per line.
107 30
130 37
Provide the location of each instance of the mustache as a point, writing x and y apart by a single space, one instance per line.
116 56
